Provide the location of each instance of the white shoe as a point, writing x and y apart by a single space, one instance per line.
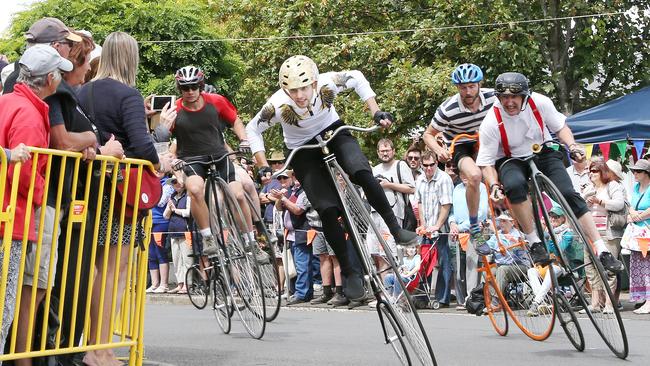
151 290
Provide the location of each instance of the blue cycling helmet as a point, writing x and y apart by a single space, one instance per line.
467 73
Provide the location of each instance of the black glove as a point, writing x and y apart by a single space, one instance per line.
379 115
263 171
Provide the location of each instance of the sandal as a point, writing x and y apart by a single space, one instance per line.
161 290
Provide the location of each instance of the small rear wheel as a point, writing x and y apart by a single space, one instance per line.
569 322
222 304
198 289
495 310
394 336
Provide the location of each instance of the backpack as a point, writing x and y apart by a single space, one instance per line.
475 302
410 222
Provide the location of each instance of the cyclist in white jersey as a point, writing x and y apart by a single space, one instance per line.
462 114
304 106
518 120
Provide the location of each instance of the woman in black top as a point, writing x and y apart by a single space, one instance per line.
118 110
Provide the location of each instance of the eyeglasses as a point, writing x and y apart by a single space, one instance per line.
416 158
188 87
449 165
511 88
428 165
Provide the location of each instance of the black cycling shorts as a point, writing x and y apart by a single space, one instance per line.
463 149
225 168
514 178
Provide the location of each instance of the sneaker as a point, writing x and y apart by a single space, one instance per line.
151 290
480 244
338 300
539 254
161 290
318 287
610 263
533 311
593 310
608 310
322 299
460 308
545 309
210 247
406 238
353 286
354 304
294 300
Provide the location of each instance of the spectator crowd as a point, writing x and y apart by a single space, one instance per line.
49 101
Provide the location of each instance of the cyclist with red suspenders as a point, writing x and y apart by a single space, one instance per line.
519 119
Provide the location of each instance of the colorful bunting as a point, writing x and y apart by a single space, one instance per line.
638 147
621 147
604 147
589 149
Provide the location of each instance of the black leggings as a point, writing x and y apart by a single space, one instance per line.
312 173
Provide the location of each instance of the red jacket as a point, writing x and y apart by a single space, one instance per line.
24 119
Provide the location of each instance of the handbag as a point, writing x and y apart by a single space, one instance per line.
410 222
618 219
150 191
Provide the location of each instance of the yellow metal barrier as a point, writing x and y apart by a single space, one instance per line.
97 300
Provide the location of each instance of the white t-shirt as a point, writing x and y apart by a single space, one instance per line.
389 171
300 125
522 130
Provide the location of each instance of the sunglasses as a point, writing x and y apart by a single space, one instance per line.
188 87
416 158
594 171
428 165
511 88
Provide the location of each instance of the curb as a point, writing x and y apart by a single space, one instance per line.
155 363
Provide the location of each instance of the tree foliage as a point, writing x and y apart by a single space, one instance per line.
578 62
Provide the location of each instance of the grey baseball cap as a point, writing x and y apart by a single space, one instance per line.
42 59
48 30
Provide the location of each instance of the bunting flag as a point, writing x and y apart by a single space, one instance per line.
604 147
638 147
589 149
621 146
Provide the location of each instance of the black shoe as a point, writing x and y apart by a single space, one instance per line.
338 300
610 263
353 286
294 300
539 254
406 238
324 298
354 304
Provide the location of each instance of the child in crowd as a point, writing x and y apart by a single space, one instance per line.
407 271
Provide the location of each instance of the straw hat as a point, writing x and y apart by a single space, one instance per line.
616 168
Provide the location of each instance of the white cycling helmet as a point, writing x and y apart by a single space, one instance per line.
188 75
297 71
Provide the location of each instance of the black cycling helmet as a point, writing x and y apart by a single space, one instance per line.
512 83
189 75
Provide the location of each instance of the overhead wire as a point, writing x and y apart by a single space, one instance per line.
383 32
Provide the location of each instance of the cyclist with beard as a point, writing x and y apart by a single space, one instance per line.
463 113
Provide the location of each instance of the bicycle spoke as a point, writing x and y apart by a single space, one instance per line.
586 274
397 298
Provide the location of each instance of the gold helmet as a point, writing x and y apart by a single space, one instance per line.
297 71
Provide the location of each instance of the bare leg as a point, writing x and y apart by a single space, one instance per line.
523 213
474 176
24 322
164 275
336 269
195 186
238 190
325 269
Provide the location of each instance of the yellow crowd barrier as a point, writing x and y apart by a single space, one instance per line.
84 283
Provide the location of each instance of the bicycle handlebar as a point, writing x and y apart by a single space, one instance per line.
452 144
322 143
202 160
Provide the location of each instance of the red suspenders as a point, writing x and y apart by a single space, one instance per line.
502 129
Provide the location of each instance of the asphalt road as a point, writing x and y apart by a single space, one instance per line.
181 335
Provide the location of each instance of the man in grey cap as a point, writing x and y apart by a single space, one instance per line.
48 31
25 120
